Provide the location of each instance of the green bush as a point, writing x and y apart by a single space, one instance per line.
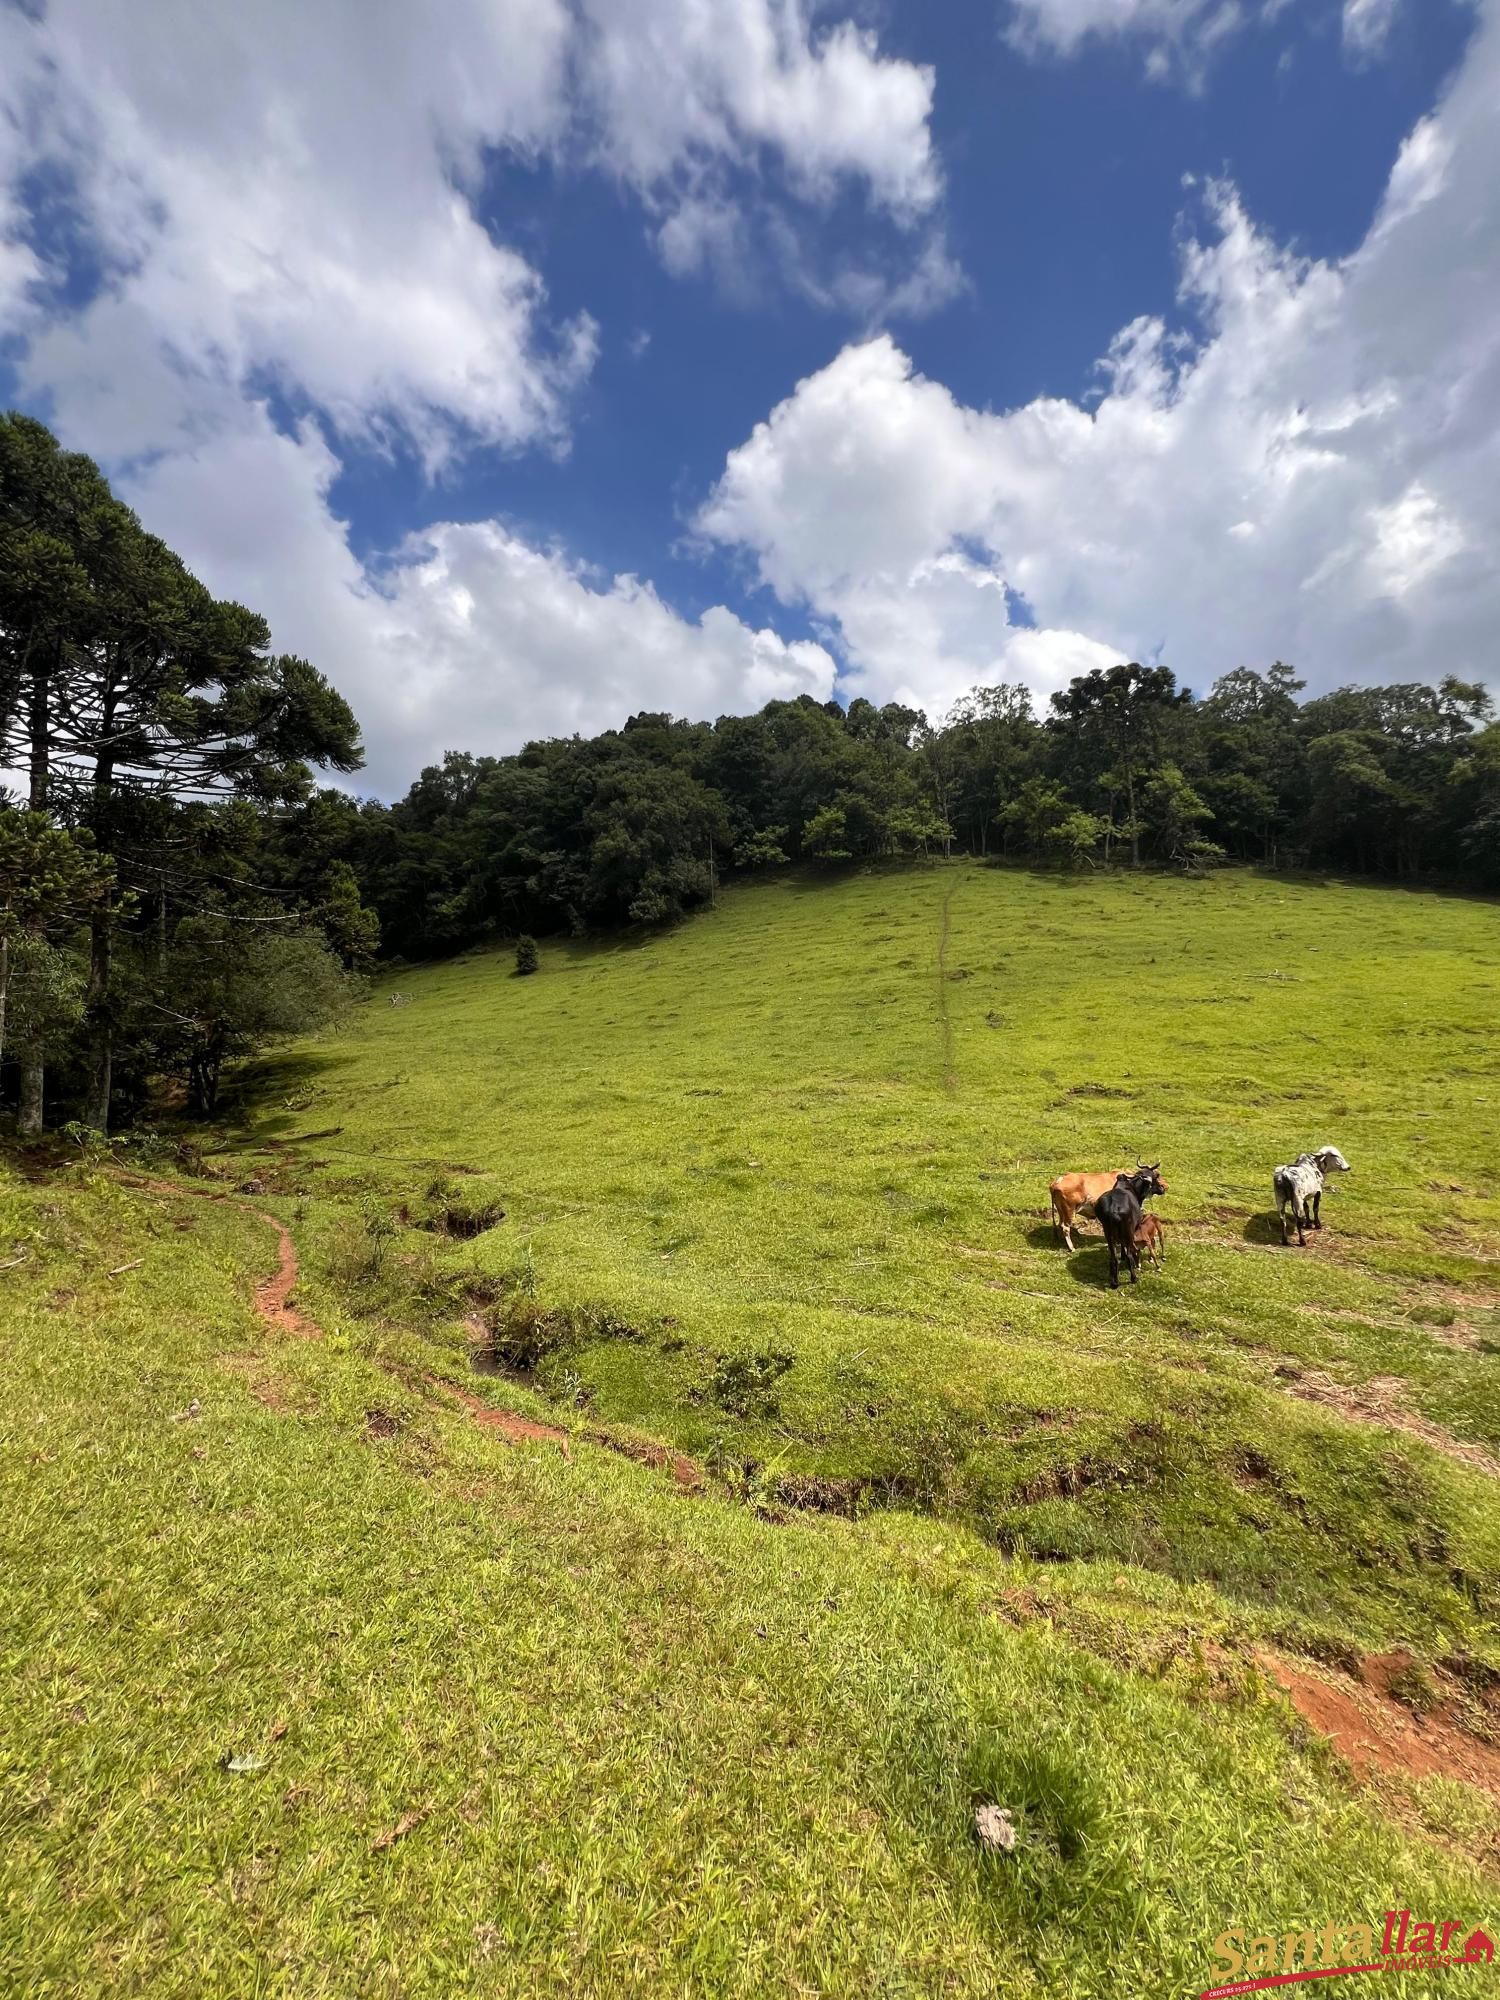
745 1383
528 958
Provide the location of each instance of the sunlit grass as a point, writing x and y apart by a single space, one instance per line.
820 1123
649 1742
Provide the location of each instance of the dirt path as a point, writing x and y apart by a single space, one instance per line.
273 1294
1381 1402
527 1430
273 1297
519 1430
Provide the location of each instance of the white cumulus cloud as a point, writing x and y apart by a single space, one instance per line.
678 87
1316 477
1367 25
1179 35
210 213
468 637
292 192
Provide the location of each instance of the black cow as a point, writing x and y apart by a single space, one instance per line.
1119 1212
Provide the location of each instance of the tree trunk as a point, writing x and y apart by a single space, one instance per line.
203 1084
39 735
29 1122
1135 831
4 988
101 1029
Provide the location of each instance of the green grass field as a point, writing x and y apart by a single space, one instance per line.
971 1527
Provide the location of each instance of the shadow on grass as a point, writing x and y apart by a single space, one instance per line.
260 1089
1262 1229
1089 1265
1043 1236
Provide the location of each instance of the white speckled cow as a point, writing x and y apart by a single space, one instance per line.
1299 1188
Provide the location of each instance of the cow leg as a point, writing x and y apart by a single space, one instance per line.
1298 1216
1316 1217
1134 1258
1281 1218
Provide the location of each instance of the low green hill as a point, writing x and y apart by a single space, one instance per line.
951 1522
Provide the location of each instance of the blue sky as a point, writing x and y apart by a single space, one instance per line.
606 354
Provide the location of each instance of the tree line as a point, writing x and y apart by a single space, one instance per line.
177 890
640 824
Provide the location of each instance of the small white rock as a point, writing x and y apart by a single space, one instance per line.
996 1829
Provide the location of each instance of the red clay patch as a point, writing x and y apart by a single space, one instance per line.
1371 1731
658 1456
519 1430
526 1430
272 1294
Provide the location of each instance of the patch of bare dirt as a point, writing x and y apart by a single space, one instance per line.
1382 1402
1459 1333
1352 1318
518 1430
644 1451
1371 1730
1018 1606
273 1295
251 1370
1476 1250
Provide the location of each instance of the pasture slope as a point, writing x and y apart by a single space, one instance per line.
825 1498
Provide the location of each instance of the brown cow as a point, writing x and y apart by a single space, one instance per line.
1074 1195
1152 1238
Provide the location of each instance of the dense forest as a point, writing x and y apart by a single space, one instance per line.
176 890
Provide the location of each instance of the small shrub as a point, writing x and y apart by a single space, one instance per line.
149 1150
446 1211
359 1254
575 1390
523 1333
92 1145
379 1226
745 1383
528 958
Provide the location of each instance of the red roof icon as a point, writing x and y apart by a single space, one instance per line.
1477 1949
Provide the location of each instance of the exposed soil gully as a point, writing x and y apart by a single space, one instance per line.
1364 1723
273 1304
1371 1730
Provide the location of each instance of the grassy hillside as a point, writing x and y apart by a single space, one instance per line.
820 1125
774 1190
